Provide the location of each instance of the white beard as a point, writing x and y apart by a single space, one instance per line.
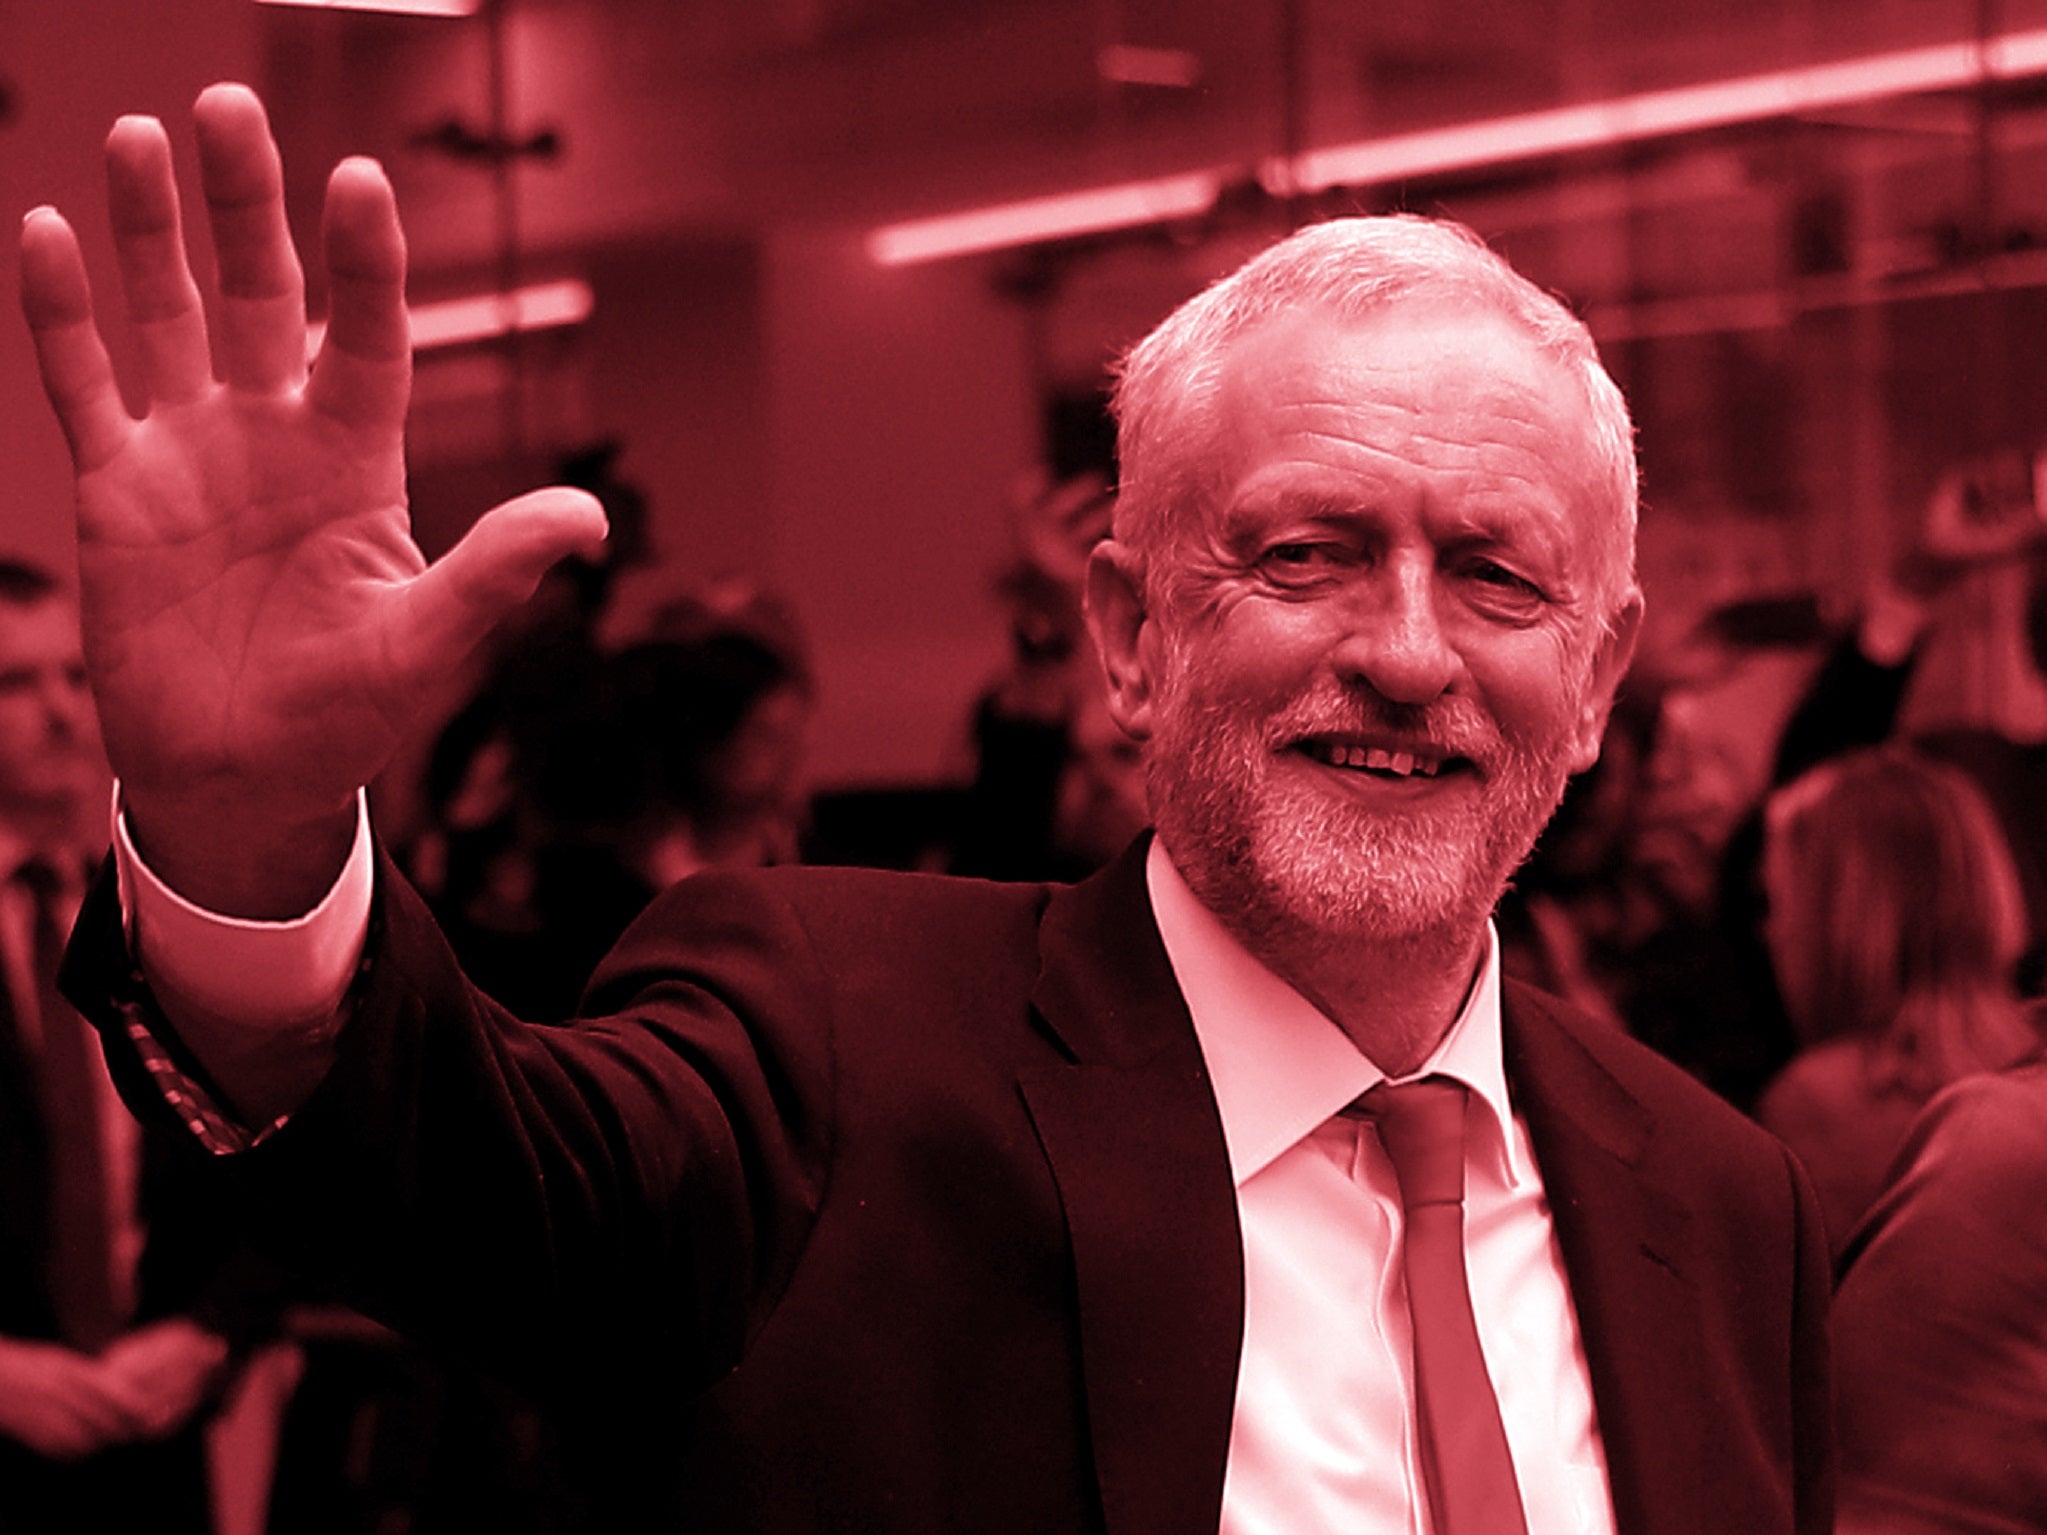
1279 860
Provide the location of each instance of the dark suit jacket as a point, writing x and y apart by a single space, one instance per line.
192 1265
910 1197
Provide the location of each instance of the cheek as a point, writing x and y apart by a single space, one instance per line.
1534 689
1245 681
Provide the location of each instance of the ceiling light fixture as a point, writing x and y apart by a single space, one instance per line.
486 316
1125 206
391 7
1661 114
1130 64
1469 146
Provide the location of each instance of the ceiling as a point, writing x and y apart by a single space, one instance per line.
728 118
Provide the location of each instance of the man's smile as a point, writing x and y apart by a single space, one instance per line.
1392 761
1375 759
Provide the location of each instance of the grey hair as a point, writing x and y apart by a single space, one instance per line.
1349 268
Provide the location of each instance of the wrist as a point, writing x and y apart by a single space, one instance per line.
248 861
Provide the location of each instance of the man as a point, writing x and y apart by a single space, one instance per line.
98 1411
918 1204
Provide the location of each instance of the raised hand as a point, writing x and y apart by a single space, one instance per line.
1981 512
259 625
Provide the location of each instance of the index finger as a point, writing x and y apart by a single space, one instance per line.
363 377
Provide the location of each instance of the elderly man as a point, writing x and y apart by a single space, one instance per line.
898 1203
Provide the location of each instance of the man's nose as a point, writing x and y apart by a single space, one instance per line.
1395 643
68 703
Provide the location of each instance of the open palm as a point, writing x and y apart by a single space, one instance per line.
259 625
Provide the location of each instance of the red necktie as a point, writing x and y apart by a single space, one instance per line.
1466 1465
81 1263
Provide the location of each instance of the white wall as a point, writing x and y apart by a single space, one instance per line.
71 68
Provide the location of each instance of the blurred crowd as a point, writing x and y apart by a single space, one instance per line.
1849 945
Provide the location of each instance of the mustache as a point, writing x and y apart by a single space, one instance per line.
1452 726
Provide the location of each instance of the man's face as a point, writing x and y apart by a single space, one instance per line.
51 765
1368 669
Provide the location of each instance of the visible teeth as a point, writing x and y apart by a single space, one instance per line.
1379 760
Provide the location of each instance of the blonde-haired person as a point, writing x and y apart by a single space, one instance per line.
1895 921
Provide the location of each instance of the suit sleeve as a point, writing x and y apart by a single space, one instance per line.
634 1186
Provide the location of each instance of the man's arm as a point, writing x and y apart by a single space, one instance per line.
1982 513
259 624
259 628
265 999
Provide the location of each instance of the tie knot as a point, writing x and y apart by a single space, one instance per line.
1421 1125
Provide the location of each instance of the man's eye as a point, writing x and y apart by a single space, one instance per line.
1294 561
1493 574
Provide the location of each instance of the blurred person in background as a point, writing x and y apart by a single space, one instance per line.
686 749
1700 985
1620 907
1696 984
1981 534
1895 920
1582 906
455 795
1941 1311
717 700
1940 1336
1057 788
120 1285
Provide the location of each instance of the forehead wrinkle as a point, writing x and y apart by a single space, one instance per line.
1526 432
1541 432
1511 473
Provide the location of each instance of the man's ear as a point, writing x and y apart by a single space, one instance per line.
1121 623
1616 649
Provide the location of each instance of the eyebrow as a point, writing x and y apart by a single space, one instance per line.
1305 505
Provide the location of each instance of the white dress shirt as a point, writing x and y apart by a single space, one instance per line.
1323 1437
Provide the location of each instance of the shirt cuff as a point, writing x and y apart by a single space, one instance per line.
275 975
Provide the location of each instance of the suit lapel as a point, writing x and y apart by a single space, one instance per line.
1130 1127
1626 1245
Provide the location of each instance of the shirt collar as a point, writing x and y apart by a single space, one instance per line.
1281 1067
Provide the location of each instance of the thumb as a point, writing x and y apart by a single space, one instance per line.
461 597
